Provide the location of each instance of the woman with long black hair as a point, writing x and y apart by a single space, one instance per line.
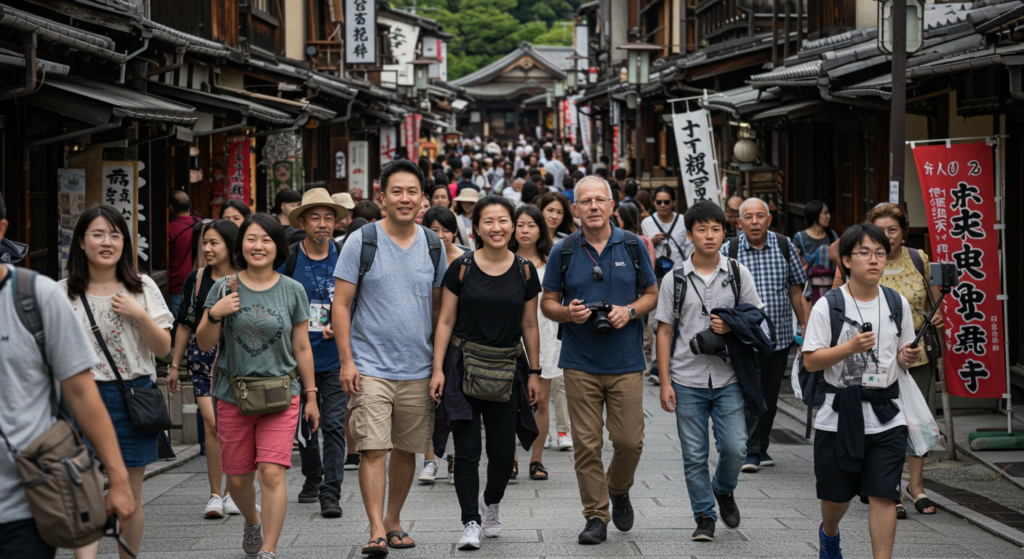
557 213
218 239
488 313
110 296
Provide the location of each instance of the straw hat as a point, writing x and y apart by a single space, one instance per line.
344 199
467 195
313 198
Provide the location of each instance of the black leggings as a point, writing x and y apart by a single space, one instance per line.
501 420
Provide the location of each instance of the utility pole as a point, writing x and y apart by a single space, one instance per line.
898 113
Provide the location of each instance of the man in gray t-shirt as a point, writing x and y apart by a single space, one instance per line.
384 349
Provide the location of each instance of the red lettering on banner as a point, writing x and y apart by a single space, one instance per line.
238 169
959 197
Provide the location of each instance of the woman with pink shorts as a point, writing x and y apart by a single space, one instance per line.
263 317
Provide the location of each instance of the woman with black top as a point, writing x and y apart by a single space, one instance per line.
218 242
234 211
489 300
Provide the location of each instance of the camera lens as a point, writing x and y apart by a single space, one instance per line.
602 325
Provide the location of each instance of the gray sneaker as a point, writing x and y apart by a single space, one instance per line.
266 555
252 538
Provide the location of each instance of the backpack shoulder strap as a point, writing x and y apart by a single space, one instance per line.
679 284
524 269
915 255
734 280
784 247
434 244
465 262
367 252
27 305
568 246
293 258
836 313
632 243
892 298
734 246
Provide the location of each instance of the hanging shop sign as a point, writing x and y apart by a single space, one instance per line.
959 196
585 128
360 32
120 180
239 170
359 168
615 148
412 136
285 151
388 144
698 162
402 40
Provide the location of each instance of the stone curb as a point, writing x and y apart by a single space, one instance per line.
991 526
184 456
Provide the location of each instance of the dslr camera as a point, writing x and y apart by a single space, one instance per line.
600 311
709 343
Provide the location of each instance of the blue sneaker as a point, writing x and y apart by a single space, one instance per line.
767 460
828 548
751 464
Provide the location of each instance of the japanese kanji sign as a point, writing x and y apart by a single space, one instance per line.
359 168
239 150
698 163
388 144
412 136
120 180
360 32
959 196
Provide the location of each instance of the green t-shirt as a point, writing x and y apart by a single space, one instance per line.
258 338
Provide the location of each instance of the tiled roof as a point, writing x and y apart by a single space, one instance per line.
552 58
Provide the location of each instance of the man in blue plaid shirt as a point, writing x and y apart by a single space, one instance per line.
779 280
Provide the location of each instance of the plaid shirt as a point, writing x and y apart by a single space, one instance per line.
772 278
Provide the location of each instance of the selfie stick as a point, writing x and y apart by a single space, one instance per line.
945 291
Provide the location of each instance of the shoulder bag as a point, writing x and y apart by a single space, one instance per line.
146 406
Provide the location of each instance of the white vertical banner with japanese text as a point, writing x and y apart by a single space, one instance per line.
359 168
698 161
120 180
360 31
959 196
585 127
388 144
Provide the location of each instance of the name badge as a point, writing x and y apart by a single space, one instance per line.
319 316
875 377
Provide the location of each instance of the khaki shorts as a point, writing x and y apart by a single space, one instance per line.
388 414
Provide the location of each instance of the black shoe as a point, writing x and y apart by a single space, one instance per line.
329 507
728 510
310 491
705 531
595 532
352 461
622 511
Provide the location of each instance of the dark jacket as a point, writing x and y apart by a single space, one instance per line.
454 407
850 428
752 331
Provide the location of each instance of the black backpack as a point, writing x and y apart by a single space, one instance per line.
369 251
293 257
809 381
679 295
632 242
466 262
734 246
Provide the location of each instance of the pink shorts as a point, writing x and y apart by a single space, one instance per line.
247 440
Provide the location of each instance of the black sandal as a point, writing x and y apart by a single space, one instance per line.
376 548
537 471
901 511
515 468
922 502
401 536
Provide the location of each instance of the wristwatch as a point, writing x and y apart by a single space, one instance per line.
632 312
213 320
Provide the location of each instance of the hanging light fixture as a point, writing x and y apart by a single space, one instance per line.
915 25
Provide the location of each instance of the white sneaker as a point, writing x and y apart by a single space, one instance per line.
214 508
429 471
491 516
229 505
547 442
470 536
564 441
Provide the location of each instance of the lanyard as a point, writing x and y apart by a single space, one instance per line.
312 270
878 337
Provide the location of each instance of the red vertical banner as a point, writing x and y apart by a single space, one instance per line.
615 148
238 169
959 195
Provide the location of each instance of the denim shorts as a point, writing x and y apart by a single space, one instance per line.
138 447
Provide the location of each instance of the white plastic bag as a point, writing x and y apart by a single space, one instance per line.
794 378
922 431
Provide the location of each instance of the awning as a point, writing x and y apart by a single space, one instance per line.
222 105
192 44
17 59
330 86
320 113
89 44
742 101
98 102
792 111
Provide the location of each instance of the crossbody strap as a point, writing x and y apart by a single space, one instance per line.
99 339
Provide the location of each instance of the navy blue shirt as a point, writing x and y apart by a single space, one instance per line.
621 351
317 278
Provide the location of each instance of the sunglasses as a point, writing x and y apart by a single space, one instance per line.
662 202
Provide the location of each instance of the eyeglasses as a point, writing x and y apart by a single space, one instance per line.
865 255
663 202
592 201
114 237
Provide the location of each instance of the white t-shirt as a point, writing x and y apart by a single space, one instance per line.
667 247
707 279
850 371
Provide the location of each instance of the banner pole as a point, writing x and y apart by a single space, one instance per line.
1001 216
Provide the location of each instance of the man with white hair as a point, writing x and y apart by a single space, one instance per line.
779 278
600 296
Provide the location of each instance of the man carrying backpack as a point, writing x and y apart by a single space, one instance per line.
704 384
41 344
311 262
859 335
386 305
779 278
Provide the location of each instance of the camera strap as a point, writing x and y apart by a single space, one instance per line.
703 307
878 337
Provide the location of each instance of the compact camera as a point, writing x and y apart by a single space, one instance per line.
709 343
600 311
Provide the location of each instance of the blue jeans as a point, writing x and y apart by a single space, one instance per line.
173 302
332 402
725 407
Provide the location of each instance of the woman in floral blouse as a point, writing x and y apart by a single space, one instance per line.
135 322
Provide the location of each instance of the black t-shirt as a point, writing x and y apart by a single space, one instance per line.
190 313
491 307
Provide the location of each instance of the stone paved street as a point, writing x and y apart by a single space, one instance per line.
542 518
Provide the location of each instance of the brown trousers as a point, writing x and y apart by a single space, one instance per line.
587 394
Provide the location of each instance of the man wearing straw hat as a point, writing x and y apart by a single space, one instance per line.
311 263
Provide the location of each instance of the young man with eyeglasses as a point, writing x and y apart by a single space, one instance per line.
861 434
601 264
665 228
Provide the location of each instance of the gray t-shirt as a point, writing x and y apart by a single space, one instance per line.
258 338
391 328
25 411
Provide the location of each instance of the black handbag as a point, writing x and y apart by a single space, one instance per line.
146 406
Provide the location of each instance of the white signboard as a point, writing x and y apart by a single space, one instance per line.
402 40
435 48
119 178
584 127
359 167
388 143
697 162
360 31
581 47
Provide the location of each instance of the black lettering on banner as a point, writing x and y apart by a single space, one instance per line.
695 165
968 261
111 196
693 144
688 128
964 193
967 224
970 372
975 168
970 339
969 297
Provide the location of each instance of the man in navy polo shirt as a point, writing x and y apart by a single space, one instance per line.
601 370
